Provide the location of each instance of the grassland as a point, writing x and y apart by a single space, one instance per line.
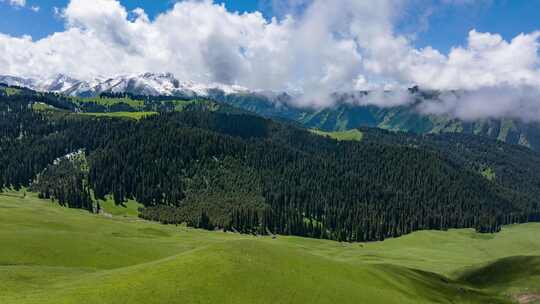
110 101
12 91
350 135
136 105
128 209
50 254
130 115
40 106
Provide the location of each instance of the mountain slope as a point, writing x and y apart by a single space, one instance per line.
232 273
86 258
241 172
344 116
511 166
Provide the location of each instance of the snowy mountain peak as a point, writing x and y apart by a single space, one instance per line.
139 84
60 83
18 81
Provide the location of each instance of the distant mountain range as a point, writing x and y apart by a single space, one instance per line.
403 118
139 84
343 116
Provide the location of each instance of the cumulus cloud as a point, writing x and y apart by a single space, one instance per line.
316 47
488 60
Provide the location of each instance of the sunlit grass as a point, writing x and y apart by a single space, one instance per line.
51 254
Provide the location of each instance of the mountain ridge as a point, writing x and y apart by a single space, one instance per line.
152 84
342 116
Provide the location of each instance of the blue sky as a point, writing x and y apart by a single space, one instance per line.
19 21
448 25
490 48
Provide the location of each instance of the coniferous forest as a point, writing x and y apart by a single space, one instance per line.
231 170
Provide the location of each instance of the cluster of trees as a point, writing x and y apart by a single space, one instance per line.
66 181
219 194
243 173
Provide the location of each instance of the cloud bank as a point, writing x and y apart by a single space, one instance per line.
504 101
319 48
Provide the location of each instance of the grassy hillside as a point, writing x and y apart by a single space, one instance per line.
55 255
354 135
110 102
12 91
131 115
127 209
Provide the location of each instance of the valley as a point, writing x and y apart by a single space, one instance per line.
127 180
269 152
52 254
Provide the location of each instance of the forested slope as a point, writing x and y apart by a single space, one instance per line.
511 166
347 115
235 171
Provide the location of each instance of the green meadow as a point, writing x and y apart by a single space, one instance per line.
104 101
351 135
50 254
127 209
131 115
12 91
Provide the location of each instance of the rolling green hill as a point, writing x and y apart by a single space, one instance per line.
52 254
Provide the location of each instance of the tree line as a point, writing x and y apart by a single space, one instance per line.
239 172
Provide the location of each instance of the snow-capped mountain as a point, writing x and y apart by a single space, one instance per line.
139 84
19 81
60 83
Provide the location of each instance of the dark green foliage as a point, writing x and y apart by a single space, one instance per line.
244 173
217 194
66 181
514 167
346 116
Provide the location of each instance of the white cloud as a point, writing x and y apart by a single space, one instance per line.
508 101
488 60
16 3
20 4
330 46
